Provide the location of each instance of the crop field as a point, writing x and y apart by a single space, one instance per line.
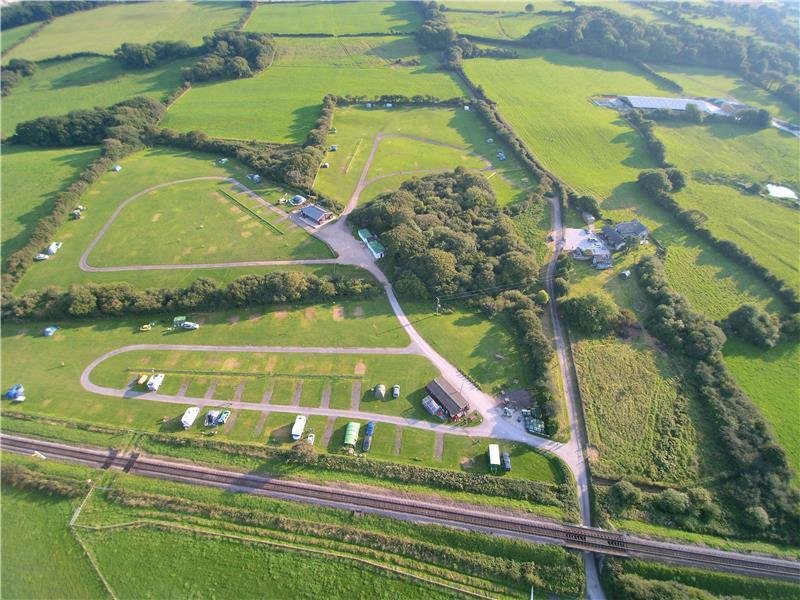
197 222
765 229
39 549
282 103
13 36
103 29
463 132
141 171
30 180
771 379
50 367
61 86
698 81
597 153
640 426
336 19
281 374
502 26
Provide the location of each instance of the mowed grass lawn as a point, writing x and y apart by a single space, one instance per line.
335 18
639 425
41 558
103 29
196 222
767 230
140 171
772 380
698 81
61 86
282 373
357 127
30 180
545 97
282 103
207 565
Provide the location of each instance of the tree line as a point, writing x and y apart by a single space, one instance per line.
204 294
13 73
20 13
760 475
657 184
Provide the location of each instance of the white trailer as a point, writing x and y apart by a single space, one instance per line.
494 457
298 427
155 381
189 416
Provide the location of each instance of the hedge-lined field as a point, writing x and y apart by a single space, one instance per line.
282 103
335 19
771 379
41 558
639 422
30 179
79 83
103 29
13 36
501 26
197 222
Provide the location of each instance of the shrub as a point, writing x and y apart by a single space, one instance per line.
623 495
672 502
754 325
592 314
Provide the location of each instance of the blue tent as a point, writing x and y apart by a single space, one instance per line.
49 331
16 391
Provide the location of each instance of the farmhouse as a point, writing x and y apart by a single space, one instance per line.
632 229
448 397
613 239
375 247
655 103
591 247
315 214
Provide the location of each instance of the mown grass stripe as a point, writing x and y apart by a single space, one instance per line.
252 213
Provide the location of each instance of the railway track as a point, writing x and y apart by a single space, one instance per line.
570 536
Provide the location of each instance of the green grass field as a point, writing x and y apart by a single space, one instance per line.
698 81
141 171
771 379
336 19
596 152
41 558
197 222
30 180
356 130
282 103
103 29
638 423
13 36
79 83
502 26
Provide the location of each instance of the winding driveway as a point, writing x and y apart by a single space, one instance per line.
350 251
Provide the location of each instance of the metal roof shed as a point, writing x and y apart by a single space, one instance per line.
448 397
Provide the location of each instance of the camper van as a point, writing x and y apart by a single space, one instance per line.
189 416
155 381
298 427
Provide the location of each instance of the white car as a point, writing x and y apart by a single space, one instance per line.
311 437
41 256
190 325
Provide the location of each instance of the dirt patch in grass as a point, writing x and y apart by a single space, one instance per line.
254 317
233 319
361 368
281 314
211 249
358 311
593 453
271 363
310 313
155 217
338 313
229 364
246 234
235 209
172 360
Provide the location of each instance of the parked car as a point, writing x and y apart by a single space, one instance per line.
223 417
211 418
190 325
311 437
41 256
395 391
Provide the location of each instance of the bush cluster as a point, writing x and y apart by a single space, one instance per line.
755 325
13 72
445 235
760 473
592 314
654 183
400 99
229 54
117 299
581 204
125 121
145 56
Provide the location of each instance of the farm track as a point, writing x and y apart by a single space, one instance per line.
516 527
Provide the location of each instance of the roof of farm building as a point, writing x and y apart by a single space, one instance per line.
312 211
654 102
448 396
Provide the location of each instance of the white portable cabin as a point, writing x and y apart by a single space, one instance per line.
494 457
155 382
53 248
298 427
189 416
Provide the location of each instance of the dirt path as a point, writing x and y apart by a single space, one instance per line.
325 401
298 393
355 396
328 434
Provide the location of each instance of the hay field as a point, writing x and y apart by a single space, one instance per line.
335 18
282 103
103 29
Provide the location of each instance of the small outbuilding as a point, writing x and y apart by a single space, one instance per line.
316 214
625 274
448 397
375 247
298 200
117 168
